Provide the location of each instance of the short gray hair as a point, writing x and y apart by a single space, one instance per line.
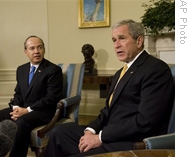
135 28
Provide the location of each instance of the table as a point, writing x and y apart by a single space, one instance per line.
139 153
104 82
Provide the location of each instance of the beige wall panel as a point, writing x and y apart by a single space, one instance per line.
66 39
20 19
6 92
7 85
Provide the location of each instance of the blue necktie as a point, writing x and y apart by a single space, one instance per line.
31 74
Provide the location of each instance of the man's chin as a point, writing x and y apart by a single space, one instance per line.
122 59
37 61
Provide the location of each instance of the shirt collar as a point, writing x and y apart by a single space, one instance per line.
36 65
131 62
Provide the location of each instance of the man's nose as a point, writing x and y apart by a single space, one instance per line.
117 44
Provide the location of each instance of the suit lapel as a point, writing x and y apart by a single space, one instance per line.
37 74
126 77
130 72
25 78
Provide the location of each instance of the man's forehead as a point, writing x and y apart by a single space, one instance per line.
34 41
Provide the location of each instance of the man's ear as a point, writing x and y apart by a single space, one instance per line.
140 40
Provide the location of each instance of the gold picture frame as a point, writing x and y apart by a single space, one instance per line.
93 13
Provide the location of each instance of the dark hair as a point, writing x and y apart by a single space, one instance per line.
89 48
33 36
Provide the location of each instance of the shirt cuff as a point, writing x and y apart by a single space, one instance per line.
100 135
91 130
29 109
14 106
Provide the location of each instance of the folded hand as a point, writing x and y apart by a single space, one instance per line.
18 112
89 141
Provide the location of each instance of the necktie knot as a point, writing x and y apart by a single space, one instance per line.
123 71
32 69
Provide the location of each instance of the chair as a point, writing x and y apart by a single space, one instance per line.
166 141
67 108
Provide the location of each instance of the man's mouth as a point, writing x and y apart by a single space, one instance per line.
37 56
120 52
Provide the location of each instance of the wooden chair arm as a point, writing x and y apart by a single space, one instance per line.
60 105
41 133
139 145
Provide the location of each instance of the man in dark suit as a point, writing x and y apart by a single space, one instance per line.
35 102
138 104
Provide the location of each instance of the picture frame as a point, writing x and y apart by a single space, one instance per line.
93 13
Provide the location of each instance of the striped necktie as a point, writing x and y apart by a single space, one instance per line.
121 75
31 74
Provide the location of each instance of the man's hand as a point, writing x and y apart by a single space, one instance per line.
18 112
89 141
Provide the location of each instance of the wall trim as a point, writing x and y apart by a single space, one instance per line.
7 75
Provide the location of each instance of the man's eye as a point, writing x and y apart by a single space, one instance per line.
31 48
40 47
122 38
113 40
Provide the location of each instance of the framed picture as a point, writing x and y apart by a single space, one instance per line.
93 13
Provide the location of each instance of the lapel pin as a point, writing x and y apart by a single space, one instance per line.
131 72
39 71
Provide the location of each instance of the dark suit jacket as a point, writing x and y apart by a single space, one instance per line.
45 89
141 104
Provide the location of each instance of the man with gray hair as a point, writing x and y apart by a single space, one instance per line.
138 105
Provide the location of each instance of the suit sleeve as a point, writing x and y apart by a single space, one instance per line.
18 99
